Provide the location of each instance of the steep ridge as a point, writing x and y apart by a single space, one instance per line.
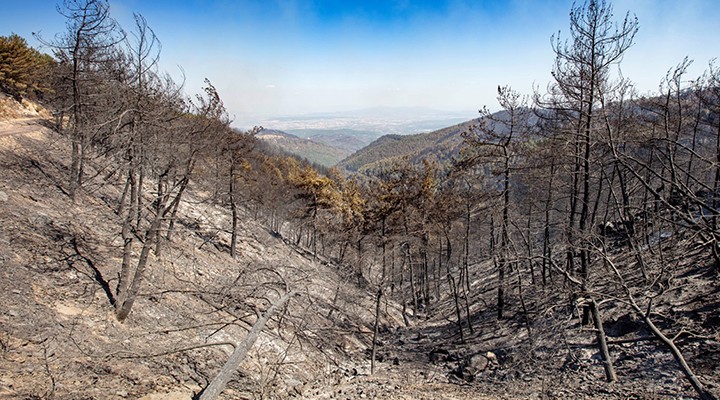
441 146
59 338
58 268
312 150
350 140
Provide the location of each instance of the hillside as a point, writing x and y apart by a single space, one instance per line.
61 340
149 250
347 139
59 263
314 151
11 109
440 145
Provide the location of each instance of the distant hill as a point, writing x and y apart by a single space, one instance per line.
314 151
441 146
345 139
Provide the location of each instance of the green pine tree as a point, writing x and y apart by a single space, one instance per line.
22 68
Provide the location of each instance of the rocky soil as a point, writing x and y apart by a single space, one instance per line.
59 339
58 266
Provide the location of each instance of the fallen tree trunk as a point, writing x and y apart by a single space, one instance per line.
675 351
668 342
213 390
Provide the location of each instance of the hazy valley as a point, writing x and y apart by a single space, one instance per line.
327 139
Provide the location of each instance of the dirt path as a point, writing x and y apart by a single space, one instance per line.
19 125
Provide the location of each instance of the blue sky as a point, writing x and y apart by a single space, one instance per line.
285 57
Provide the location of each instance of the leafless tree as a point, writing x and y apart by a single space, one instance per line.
582 73
88 42
495 140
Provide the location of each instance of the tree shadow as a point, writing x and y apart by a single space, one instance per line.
97 275
63 235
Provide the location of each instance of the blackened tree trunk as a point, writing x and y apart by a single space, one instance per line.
217 385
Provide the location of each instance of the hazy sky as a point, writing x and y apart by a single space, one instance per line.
284 57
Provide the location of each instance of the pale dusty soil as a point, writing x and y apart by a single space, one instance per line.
19 126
